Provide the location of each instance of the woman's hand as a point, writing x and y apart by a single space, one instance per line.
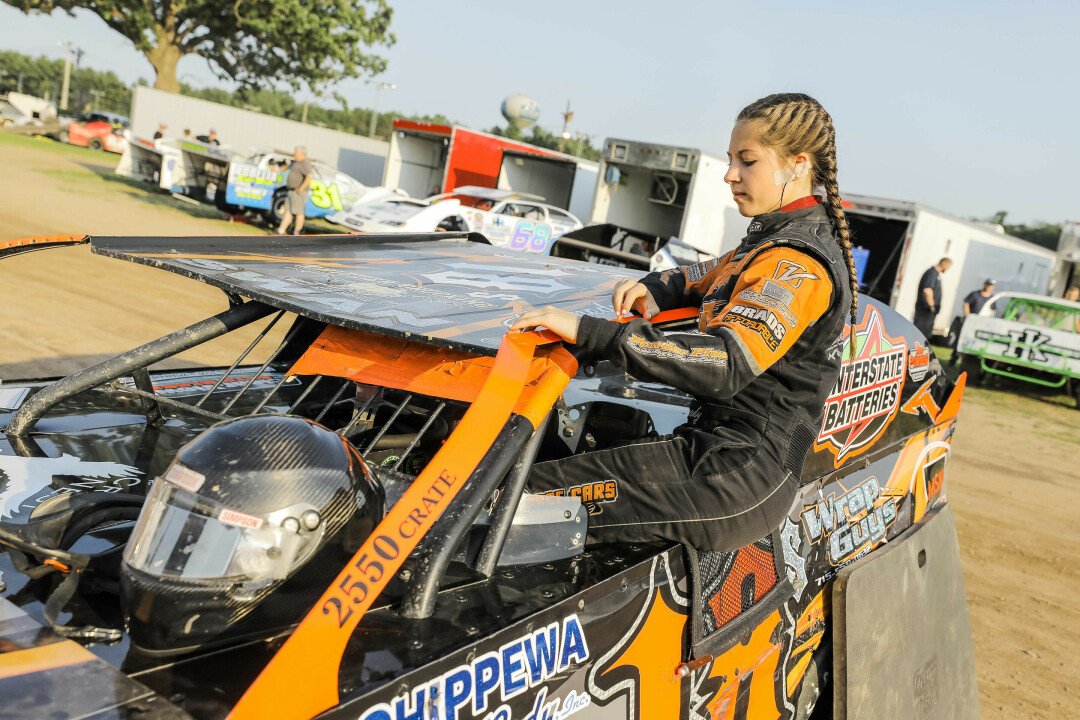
631 295
560 322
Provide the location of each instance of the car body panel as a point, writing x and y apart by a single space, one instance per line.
252 184
622 624
1025 337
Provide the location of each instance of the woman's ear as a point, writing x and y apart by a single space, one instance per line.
803 167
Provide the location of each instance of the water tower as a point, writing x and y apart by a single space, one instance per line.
520 110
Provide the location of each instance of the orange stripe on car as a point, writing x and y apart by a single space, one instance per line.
43 657
314 651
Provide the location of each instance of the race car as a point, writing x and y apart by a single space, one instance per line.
258 183
510 219
98 131
1032 338
456 595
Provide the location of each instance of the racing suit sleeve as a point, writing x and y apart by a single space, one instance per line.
684 286
778 295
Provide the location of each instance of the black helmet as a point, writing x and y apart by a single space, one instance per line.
244 532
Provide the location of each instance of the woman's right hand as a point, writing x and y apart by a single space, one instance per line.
631 295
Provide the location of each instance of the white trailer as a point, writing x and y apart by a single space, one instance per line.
905 238
1069 253
668 191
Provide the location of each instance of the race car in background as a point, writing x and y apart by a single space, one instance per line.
510 219
1032 338
98 131
258 183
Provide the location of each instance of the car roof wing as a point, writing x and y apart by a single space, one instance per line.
446 289
492 194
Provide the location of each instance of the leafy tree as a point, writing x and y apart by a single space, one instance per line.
252 42
580 147
42 77
1040 233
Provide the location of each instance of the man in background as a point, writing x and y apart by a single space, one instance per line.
209 139
928 302
187 133
973 304
296 196
160 131
1072 294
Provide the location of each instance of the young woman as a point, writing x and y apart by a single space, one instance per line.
761 364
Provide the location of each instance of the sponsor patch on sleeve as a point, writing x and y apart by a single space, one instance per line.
666 348
760 320
792 273
697 273
759 298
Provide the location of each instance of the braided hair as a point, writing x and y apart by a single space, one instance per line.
791 123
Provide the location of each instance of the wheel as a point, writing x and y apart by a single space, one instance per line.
63 137
277 207
95 144
453 223
971 365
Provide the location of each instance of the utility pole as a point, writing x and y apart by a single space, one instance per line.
303 114
567 117
67 75
76 91
379 87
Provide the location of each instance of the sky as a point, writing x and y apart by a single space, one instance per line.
969 107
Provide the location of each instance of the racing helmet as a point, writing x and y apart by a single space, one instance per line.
244 532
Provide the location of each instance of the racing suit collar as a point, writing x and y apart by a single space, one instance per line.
770 222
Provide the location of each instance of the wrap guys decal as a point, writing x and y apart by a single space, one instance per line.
865 397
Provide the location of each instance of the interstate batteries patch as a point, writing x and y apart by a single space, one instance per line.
865 397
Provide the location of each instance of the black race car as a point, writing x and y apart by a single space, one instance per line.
464 597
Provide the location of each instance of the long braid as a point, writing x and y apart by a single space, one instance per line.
835 211
792 123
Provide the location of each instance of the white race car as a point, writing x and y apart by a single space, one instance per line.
508 219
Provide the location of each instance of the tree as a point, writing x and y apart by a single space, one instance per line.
1040 233
252 42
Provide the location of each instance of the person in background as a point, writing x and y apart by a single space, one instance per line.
297 181
187 133
160 131
973 304
210 138
928 302
1072 294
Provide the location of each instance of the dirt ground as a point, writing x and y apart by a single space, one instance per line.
1014 479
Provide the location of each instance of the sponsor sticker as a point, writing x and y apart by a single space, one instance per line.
918 362
853 523
482 687
186 384
753 296
239 519
185 477
591 494
866 395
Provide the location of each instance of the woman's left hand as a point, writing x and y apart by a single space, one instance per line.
560 322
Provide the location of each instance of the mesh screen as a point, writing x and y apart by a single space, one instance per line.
733 581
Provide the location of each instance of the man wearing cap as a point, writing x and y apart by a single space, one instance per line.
973 304
975 300
296 195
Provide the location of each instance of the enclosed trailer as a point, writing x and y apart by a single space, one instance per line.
157 162
1068 273
429 159
668 191
903 239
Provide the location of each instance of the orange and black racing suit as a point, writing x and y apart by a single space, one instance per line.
759 367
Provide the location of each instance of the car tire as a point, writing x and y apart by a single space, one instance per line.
63 136
95 144
277 207
971 365
454 223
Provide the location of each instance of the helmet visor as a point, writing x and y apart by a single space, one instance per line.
183 535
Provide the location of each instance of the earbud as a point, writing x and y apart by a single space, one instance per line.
802 169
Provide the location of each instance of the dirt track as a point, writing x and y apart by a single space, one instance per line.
1014 478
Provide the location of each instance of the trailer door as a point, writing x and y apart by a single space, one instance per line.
551 178
423 164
